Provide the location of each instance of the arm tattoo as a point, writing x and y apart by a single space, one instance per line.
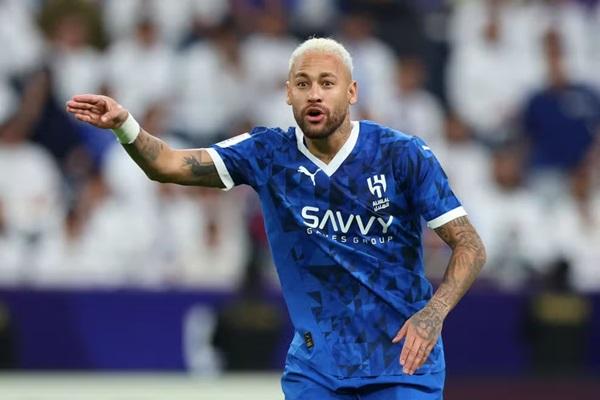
204 174
150 147
468 257
163 164
145 150
429 320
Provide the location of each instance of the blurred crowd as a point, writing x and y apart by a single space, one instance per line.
504 91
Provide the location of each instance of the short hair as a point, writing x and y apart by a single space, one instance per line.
322 45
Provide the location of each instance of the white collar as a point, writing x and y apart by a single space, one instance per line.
339 157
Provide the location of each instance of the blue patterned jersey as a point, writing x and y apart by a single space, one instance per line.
346 239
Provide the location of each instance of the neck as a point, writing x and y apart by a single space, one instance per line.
326 148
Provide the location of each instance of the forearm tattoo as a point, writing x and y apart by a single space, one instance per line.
150 147
468 257
145 150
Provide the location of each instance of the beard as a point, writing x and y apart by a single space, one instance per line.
333 120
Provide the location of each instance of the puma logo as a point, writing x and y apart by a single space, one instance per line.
304 171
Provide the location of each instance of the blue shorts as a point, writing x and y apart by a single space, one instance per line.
300 387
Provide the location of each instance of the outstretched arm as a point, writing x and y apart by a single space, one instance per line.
163 164
156 158
423 329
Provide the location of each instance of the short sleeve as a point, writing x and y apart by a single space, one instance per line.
244 159
431 193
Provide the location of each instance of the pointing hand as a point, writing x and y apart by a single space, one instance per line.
100 111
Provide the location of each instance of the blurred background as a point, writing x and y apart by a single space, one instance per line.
104 271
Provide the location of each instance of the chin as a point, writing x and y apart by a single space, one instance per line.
316 132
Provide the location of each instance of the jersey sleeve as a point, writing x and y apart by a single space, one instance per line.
431 193
244 159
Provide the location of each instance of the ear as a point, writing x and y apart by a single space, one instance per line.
287 90
353 93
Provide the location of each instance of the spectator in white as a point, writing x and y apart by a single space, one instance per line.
133 191
101 245
467 164
574 21
373 60
214 68
22 43
493 64
412 109
30 194
76 65
123 78
190 244
592 74
216 250
511 223
174 19
264 57
577 216
10 251
313 16
9 248
198 240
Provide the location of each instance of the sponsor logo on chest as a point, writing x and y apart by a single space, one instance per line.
314 218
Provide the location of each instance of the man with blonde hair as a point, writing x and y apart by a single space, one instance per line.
342 203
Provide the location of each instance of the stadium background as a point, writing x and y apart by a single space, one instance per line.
112 286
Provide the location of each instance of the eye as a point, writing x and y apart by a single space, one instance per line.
328 83
302 84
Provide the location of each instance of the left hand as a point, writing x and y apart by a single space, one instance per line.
421 333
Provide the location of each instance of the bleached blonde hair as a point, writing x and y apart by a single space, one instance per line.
322 45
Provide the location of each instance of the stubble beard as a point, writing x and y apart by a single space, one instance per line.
333 121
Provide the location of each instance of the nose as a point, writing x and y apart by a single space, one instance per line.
314 94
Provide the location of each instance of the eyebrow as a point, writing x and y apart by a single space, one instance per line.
322 75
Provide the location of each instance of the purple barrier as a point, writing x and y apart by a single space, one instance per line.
143 330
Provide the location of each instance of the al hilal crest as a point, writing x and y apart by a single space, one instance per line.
377 187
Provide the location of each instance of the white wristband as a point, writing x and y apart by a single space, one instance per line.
128 131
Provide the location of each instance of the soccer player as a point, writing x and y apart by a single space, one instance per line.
342 203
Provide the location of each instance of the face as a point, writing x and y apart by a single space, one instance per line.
320 91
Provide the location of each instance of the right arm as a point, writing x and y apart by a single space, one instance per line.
157 159
163 164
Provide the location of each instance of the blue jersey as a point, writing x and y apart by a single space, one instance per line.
346 240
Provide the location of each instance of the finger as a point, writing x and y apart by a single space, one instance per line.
422 357
418 360
84 118
406 349
89 114
401 333
409 365
89 98
75 105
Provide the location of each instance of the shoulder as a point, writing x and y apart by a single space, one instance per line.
272 136
390 137
406 152
261 139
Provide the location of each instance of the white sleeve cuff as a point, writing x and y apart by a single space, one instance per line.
221 168
447 217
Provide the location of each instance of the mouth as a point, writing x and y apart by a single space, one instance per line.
315 115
